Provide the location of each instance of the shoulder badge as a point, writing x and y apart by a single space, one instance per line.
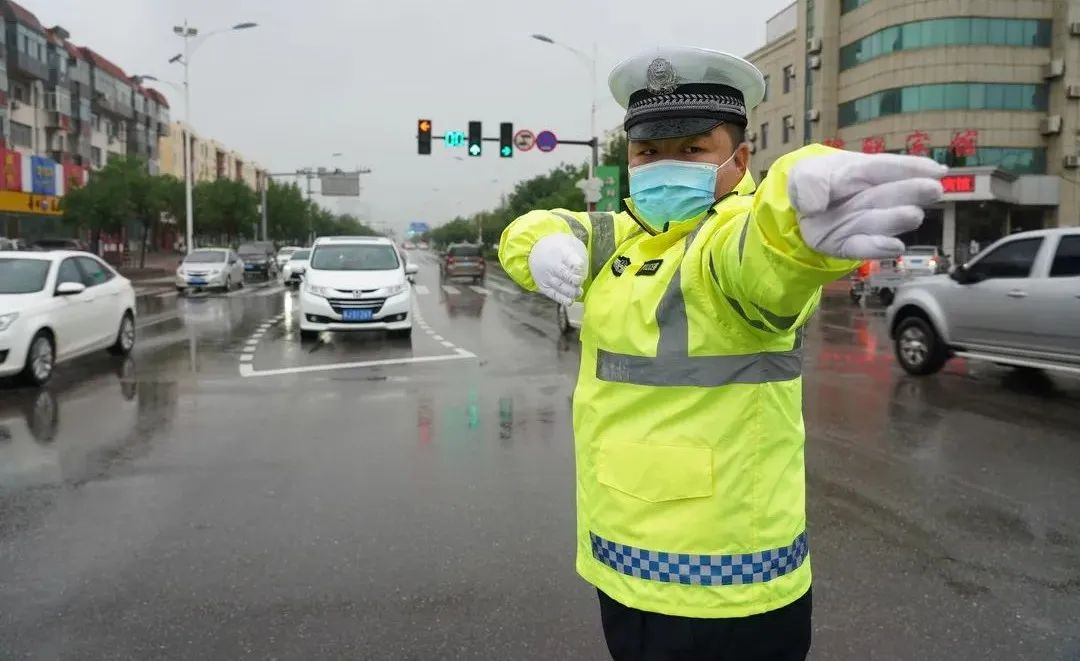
650 267
618 267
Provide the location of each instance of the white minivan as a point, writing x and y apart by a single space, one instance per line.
356 284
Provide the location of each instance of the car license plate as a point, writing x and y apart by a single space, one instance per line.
249 267
356 315
197 281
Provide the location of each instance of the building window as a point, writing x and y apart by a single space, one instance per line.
1018 160
766 96
95 157
943 96
22 135
789 123
764 135
20 93
789 73
851 5
965 31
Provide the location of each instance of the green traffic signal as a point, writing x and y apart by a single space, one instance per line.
507 151
474 149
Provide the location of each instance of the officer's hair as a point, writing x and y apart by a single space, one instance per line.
736 133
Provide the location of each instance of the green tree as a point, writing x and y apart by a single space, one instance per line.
287 213
225 208
615 153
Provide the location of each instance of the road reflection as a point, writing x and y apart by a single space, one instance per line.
79 430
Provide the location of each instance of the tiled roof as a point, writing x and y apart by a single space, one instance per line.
105 65
157 96
25 16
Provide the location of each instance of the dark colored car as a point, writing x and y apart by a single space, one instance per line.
464 260
259 258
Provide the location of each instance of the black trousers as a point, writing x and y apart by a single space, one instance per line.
779 635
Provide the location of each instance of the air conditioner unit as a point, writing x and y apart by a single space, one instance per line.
1054 68
814 61
790 122
813 114
813 45
1072 161
1072 91
751 136
1050 125
1074 29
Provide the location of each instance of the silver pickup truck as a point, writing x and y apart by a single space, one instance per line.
1017 303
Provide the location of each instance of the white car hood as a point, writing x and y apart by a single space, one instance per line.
20 302
352 280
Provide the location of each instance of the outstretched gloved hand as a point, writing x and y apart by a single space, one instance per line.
557 264
853 205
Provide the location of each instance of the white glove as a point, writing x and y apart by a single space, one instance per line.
557 263
853 205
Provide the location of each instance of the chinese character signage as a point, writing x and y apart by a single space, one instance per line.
836 143
965 143
611 183
873 145
11 173
958 183
918 144
42 175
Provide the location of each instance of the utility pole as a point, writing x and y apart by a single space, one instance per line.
265 181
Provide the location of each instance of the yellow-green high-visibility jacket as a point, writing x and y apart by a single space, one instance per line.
688 410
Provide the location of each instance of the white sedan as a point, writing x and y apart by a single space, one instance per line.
56 306
206 268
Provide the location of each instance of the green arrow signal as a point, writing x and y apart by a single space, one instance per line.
507 150
474 149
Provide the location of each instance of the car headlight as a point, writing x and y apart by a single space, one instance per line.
318 291
7 319
394 290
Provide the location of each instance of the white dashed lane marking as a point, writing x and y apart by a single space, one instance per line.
450 289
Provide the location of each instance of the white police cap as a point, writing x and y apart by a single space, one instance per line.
679 91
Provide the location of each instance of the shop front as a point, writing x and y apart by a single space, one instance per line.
984 204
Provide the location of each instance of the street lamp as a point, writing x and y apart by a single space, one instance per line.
190 34
590 62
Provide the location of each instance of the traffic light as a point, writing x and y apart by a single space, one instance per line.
476 139
423 136
506 140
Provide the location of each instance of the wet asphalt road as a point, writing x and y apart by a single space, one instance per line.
228 493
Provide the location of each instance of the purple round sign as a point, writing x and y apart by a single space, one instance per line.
546 141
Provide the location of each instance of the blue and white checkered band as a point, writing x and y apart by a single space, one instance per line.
683 104
707 570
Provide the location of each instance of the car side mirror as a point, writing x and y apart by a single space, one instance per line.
70 288
411 269
964 276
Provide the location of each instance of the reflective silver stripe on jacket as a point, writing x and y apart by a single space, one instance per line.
674 366
603 238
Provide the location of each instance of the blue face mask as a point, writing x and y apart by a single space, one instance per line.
670 191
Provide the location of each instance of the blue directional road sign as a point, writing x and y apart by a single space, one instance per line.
454 138
546 141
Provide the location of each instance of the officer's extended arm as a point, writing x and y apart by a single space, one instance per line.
817 214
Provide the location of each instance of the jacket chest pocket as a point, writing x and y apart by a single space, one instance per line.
655 473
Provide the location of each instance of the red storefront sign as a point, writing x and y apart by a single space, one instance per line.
918 144
873 145
958 183
833 142
10 170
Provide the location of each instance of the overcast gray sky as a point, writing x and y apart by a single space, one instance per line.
324 76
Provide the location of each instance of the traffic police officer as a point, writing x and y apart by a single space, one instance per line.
688 410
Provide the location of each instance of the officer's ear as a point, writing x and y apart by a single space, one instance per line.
742 157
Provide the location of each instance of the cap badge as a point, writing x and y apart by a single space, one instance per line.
661 77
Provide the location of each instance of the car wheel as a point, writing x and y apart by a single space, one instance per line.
181 291
563 319
919 348
308 335
125 337
228 284
886 296
405 334
40 360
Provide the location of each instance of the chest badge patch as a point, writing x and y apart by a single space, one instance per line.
650 267
618 267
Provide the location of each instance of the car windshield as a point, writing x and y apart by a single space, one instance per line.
355 257
300 254
920 250
205 257
23 276
285 252
465 251
256 250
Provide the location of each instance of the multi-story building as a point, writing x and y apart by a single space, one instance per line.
112 108
989 87
211 160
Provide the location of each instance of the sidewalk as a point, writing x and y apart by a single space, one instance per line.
160 266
